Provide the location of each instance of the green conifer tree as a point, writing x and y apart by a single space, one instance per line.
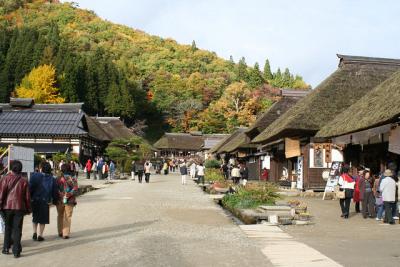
267 71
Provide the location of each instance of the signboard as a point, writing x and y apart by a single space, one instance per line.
394 140
292 148
23 154
334 174
300 172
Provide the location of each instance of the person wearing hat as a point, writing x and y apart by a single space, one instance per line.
388 190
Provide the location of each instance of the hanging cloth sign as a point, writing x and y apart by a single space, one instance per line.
394 140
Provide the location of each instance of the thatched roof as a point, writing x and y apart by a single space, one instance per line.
237 140
180 141
378 107
114 128
355 77
95 130
289 99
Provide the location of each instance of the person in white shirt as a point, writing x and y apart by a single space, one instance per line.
388 190
200 173
235 173
193 168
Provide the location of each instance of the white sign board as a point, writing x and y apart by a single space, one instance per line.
300 173
266 162
23 154
333 179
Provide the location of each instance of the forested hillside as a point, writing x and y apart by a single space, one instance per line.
119 71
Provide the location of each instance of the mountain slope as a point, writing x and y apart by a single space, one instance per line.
117 70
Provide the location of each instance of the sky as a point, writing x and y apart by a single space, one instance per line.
303 35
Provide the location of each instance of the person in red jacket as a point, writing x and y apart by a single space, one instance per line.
88 167
264 175
15 203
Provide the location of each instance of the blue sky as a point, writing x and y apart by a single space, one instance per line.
303 35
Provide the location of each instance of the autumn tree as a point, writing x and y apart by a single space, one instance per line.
39 84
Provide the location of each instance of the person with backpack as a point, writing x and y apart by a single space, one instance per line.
15 203
67 193
43 190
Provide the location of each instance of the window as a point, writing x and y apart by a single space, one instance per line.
319 158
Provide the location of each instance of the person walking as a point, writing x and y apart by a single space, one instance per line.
235 173
183 170
147 172
94 170
105 170
193 170
388 190
346 184
200 173
165 168
15 203
43 190
72 167
100 164
378 199
244 174
357 197
140 171
88 168
67 191
112 170
367 196
133 170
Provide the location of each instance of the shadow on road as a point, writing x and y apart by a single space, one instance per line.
85 237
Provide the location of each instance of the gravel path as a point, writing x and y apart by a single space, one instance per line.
129 224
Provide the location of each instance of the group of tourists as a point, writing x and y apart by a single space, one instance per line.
18 198
239 173
100 169
140 168
377 194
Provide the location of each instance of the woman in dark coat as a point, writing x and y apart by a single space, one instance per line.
44 192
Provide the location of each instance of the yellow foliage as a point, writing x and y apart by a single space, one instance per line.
39 84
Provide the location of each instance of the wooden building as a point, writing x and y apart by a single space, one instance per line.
290 140
54 128
369 129
186 144
239 147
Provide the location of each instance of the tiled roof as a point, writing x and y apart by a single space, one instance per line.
34 122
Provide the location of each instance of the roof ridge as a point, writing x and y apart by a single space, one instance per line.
349 59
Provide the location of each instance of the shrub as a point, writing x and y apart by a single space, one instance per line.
252 197
212 164
213 175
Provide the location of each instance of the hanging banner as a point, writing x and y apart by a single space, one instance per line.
300 173
292 148
394 140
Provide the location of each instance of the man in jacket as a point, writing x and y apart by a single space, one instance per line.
15 204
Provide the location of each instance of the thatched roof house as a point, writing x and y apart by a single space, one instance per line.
380 106
288 99
238 140
355 77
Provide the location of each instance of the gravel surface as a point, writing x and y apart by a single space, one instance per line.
130 224
352 242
